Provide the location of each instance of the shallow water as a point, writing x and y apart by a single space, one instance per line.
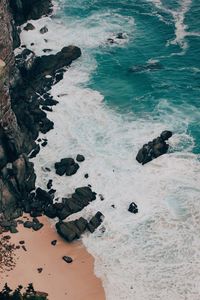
107 113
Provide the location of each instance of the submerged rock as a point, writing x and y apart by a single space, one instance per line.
152 66
154 149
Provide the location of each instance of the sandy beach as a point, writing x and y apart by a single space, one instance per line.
63 281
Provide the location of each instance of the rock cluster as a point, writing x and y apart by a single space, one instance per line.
154 149
73 229
66 166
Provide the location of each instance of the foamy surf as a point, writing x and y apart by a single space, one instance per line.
151 255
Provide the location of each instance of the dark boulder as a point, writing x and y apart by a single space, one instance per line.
80 158
85 192
50 211
66 166
95 221
24 10
43 30
67 232
37 226
133 208
29 26
49 184
165 135
35 151
154 149
28 224
49 64
43 196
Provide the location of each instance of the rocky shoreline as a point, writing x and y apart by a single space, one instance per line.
25 82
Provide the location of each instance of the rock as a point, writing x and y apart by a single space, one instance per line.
39 270
43 196
35 151
66 232
165 135
46 50
80 158
66 166
86 192
37 226
95 221
133 208
54 242
81 223
86 175
47 108
50 211
28 224
13 229
29 26
101 197
64 213
46 125
43 144
44 30
49 184
154 149
21 242
67 259
121 35
24 10
49 64
24 248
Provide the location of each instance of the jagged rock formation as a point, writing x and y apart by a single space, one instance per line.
23 89
24 10
16 173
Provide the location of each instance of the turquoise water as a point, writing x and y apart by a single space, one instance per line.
112 100
150 94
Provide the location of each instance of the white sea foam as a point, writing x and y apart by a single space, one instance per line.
178 15
156 253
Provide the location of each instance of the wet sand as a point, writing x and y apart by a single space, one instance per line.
62 281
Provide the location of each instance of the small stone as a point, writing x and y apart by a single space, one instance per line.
80 158
113 206
133 208
24 248
101 197
43 30
40 270
54 242
67 259
21 242
86 175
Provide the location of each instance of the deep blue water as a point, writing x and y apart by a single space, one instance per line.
173 87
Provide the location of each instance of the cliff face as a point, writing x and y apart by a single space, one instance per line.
7 118
24 88
16 173
24 10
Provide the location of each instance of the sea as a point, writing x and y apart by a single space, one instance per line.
139 74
